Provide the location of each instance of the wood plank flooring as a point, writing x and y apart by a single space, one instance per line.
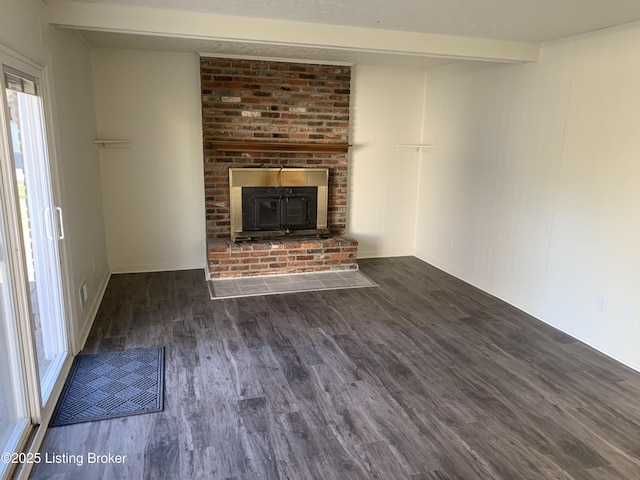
424 377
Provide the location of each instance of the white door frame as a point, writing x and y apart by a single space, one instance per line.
58 300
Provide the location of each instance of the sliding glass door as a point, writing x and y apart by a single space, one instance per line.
14 416
40 221
33 337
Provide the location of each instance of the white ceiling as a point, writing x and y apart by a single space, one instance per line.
519 20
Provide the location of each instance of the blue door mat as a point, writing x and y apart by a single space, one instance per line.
110 385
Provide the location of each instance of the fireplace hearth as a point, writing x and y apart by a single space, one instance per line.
279 225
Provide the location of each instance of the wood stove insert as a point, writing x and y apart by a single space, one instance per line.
273 202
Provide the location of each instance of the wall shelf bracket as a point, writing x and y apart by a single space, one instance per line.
417 146
104 143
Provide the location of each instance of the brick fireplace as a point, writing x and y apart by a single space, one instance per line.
275 114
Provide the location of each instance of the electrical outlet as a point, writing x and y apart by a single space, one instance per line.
84 295
629 314
602 304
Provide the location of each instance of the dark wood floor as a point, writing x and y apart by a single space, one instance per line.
421 378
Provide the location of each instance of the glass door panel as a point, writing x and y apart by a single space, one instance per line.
41 229
14 419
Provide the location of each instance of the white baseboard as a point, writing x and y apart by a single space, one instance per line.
165 267
376 254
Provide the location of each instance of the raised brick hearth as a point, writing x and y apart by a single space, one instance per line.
286 256
258 101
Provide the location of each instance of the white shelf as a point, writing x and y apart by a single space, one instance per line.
417 146
111 143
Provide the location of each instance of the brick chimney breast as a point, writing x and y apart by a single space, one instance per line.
258 101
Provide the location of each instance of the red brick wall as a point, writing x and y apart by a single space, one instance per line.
249 100
230 260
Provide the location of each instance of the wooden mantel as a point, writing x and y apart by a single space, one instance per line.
295 147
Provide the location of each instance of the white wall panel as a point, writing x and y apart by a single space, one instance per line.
79 175
532 193
154 189
23 29
387 107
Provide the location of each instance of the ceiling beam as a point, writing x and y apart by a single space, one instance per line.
179 23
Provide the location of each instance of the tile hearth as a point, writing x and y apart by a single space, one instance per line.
277 284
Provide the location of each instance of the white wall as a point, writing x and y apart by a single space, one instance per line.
153 192
23 29
532 193
387 105
79 176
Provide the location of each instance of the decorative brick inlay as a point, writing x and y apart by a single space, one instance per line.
300 255
249 100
